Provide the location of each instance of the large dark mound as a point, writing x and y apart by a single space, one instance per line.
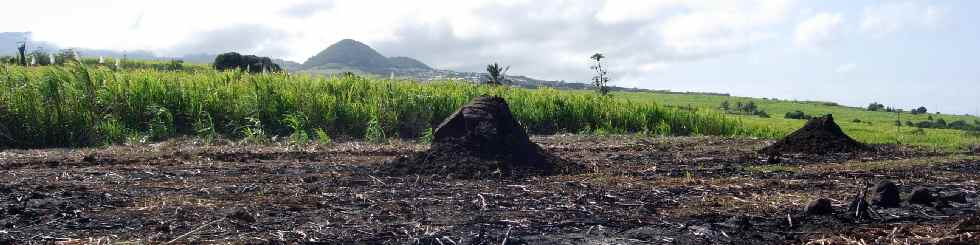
481 139
820 135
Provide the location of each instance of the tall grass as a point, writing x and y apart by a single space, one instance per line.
84 105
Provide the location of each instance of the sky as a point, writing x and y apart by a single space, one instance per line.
900 53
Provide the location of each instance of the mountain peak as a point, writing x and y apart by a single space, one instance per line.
350 54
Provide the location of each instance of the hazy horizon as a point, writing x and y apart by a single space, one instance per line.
900 53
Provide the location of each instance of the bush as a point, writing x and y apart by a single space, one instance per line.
961 125
797 115
856 120
322 137
761 113
374 133
920 110
747 107
426 136
250 63
874 106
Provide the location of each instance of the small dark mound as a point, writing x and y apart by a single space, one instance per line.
886 194
819 207
481 139
921 195
819 136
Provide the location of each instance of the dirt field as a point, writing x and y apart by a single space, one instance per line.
686 190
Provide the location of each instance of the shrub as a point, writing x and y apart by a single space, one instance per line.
253 132
796 115
856 120
322 137
747 107
426 136
920 110
249 63
874 106
374 133
923 124
961 125
297 123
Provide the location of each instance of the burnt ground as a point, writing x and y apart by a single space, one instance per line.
684 190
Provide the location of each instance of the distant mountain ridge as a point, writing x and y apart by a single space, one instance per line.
347 55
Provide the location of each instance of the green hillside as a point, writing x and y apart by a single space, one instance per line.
874 126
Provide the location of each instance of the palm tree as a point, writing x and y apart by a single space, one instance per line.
600 79
496 73
598 57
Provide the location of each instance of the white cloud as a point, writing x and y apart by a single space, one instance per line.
543 38
618 11
654 67
893 17
845 68
818 30
709 27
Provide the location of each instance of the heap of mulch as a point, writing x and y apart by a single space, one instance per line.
819 136
481 139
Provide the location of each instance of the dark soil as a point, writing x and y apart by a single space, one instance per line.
819 135
481 139
683 190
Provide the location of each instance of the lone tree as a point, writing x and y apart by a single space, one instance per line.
920 110
249 63
600 79
496 74
874 106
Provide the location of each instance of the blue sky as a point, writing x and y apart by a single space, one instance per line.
900 53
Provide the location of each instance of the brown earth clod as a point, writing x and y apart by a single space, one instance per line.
481 139
819 135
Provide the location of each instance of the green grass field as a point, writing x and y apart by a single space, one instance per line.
875 126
